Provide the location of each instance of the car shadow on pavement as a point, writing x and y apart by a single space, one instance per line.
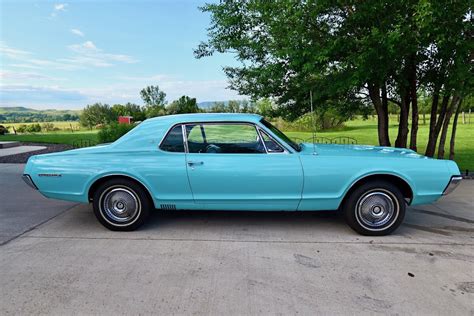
160 218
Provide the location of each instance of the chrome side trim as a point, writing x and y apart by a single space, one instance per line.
28 181
452 185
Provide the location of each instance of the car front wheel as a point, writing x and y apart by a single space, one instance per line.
375 208
121 204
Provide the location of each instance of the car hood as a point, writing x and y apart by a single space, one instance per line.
359 150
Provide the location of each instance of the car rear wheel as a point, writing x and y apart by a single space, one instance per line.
375 208
121 204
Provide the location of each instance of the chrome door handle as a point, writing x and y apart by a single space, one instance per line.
195 163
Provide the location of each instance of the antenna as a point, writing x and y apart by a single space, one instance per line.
313 121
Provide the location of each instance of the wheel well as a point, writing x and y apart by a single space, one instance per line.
397 181
99 181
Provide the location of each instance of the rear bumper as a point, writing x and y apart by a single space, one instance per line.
453 184
29 181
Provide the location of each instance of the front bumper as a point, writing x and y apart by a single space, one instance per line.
453 184
27 179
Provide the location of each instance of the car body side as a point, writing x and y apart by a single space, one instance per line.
320 177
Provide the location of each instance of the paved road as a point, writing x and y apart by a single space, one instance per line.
241 263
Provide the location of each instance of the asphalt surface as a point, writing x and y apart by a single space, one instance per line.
59 260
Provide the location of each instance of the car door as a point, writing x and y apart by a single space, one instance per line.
230 167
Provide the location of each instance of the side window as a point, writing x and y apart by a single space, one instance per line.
223 138
173 141
272 146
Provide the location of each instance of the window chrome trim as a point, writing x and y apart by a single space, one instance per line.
185 138
260 131
226 123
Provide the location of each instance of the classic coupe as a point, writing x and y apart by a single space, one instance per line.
239 162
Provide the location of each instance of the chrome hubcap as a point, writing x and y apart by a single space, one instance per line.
120 205
375 209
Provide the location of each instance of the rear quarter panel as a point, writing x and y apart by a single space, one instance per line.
164 175
328 178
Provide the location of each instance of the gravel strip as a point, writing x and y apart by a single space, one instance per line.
22 158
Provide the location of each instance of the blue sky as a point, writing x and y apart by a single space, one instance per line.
69 54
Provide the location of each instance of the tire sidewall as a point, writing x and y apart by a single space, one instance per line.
142 198
351 203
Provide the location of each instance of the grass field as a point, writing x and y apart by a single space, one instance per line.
62 125
364 131
59 137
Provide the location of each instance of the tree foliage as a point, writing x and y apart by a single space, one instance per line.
348 53
183 105
96 114
155 101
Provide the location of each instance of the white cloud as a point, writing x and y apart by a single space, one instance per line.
12 52
22 76
41 96
84 55
59 7
84 48
202 90
27 66
87 54
77 32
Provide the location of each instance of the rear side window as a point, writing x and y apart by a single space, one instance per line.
173 141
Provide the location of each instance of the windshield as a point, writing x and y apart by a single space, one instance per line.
280 134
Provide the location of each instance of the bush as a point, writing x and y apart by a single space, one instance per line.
112 132
21 128
47 127
3 130
33 128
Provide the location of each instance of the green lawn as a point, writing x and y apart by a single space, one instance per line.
365 132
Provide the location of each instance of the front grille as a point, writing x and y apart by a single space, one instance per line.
168 207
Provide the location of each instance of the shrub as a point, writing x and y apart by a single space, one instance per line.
112 132
3 130
21 128
47 127
33 128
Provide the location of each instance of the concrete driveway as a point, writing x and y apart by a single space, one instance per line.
235 263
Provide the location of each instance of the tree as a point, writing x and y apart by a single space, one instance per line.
183 105
155 101
218 107
129 109
349 53
96 114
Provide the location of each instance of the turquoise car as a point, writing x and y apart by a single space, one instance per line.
239 162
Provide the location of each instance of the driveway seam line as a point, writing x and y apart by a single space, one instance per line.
37 225
251 241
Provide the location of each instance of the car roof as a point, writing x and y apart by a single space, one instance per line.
206 117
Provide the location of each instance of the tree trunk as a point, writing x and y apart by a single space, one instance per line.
401 141
435 125
453 132
381 107
414 112
444 132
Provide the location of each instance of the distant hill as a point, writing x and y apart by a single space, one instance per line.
22 109
19 114
12 109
